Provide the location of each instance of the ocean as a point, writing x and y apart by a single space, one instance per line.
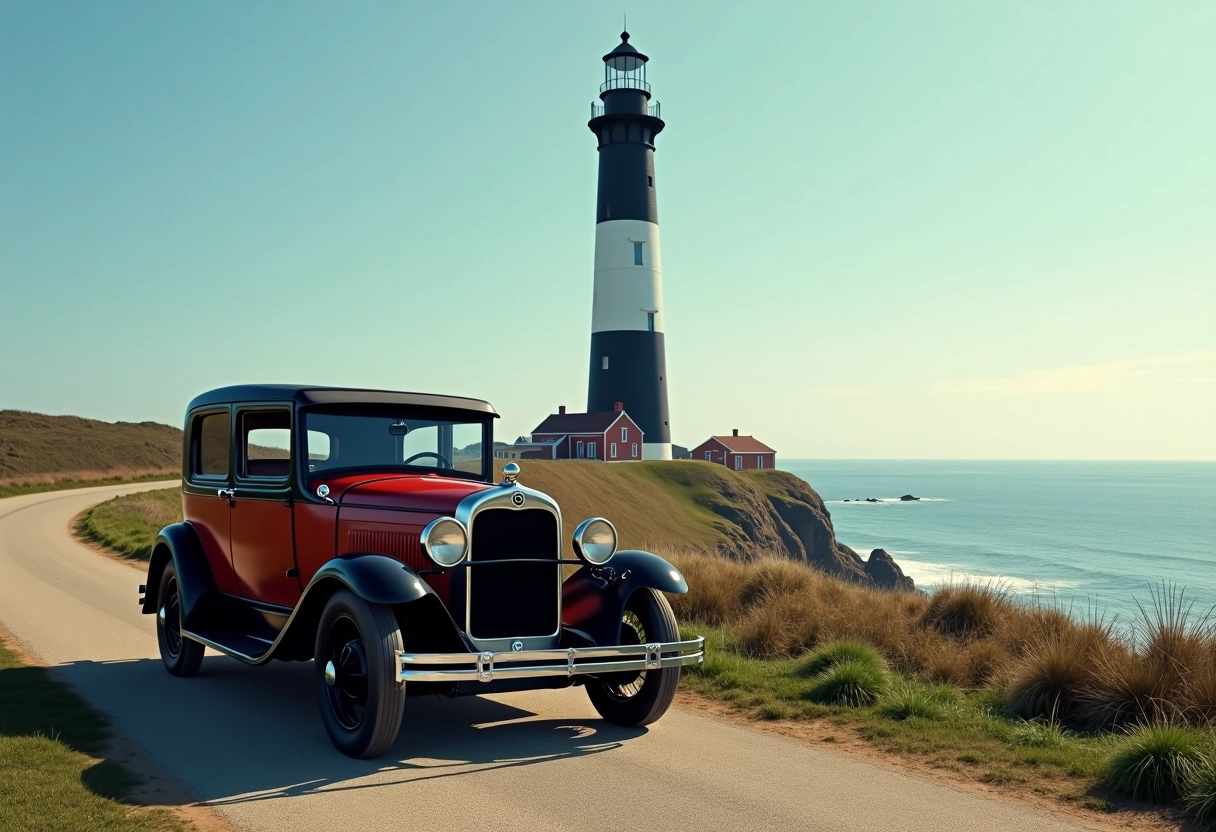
1094 537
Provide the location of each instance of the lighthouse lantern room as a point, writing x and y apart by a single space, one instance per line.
628 354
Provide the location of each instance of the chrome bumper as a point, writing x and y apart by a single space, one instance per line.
575 661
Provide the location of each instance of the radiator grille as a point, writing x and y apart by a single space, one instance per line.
514 599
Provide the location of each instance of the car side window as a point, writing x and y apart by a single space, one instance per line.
265 443
211 443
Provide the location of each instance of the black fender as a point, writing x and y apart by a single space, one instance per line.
376 579
594 601
179 543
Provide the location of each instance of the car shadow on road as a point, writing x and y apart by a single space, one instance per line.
236 734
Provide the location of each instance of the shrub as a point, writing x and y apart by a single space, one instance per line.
1156 762
905 701
1200 792
771 578
1125 688
782 627
967 610
851 682
835 653
1048 680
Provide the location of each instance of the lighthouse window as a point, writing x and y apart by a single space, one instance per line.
650 323
650 181
605 362
637 254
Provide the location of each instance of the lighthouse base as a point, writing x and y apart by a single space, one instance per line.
656 450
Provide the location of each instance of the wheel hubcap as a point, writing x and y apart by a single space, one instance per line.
170 620
627 685
347 666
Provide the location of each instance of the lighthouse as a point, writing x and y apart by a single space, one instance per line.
628 356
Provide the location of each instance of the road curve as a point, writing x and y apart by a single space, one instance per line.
248 741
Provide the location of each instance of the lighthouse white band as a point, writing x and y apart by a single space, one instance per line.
656 450
627 294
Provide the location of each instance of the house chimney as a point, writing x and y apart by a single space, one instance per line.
561 410
734 432
618 406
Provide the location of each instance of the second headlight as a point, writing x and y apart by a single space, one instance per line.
444 541
595 541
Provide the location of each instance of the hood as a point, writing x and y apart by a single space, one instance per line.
428 492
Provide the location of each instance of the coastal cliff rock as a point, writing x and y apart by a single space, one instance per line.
797 517
885 572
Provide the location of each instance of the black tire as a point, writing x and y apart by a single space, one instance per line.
636 699
182 656
361 704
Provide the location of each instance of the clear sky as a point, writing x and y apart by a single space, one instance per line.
890 229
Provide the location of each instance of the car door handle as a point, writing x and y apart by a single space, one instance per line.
228 494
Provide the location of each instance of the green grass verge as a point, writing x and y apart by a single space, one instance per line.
17 489
129 524
50 778
963 731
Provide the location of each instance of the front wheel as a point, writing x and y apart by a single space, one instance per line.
356 670
639 698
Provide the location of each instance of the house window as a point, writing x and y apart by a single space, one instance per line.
738 462
604 362
579 448
650 321
590 450
709 456
634 454
624 434
759 461
612 450
637 254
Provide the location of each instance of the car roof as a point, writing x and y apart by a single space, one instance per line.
307 394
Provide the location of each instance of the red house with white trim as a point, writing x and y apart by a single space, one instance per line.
742 453
610 435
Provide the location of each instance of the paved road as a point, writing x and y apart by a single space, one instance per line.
249 741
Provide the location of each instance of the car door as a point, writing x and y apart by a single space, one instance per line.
206 488
263 556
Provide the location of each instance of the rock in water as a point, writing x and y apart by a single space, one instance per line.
907 498
885 572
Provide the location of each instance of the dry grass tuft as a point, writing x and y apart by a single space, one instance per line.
967 610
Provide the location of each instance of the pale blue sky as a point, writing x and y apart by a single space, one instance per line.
901 229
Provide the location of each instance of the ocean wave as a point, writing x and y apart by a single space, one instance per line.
929 574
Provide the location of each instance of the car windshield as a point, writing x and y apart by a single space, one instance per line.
395 440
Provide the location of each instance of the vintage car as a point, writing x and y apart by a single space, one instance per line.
363 529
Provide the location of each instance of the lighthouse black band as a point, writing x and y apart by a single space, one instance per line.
635 377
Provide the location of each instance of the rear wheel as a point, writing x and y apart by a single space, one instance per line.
182 657
356 655
640 698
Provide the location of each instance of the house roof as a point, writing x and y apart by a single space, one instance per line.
579 422
744 445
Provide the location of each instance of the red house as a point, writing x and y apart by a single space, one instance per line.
610 436
743 453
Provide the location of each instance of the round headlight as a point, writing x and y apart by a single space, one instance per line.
595 541
444 541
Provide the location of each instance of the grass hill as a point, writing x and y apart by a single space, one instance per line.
36 448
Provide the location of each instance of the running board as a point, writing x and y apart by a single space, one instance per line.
248 649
